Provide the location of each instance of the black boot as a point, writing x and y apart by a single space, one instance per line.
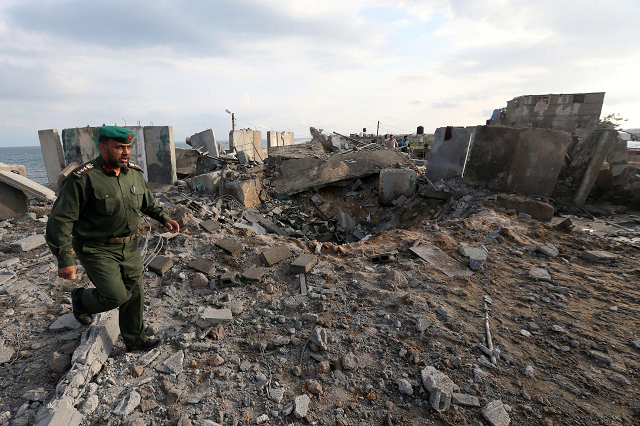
76 302
145 346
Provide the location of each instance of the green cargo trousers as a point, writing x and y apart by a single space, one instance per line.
116 272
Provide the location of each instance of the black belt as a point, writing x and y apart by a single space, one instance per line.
117 240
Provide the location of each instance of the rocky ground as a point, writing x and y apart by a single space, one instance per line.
369 340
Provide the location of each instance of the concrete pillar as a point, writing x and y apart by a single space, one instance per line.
80 144
138 151
52 153
249 141
275 139
160 154
206 140
605 144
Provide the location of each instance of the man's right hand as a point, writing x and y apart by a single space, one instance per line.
68 272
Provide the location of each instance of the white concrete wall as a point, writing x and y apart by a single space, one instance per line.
52 153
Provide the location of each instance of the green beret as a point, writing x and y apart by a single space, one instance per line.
119 134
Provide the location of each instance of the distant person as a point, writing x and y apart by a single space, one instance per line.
405 145
391 143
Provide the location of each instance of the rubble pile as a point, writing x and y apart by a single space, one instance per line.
338 284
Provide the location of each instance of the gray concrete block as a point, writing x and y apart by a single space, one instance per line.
160 154
27 185
230 246
304 264
396 182
64 323
440 388
51 153
465 400
253 274
28 243
160 265
13 202
209 317
495 414
206 141
203 265
276 254
210 225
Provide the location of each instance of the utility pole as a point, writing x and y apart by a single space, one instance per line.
233 121
377 131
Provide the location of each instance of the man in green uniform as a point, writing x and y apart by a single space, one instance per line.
96 214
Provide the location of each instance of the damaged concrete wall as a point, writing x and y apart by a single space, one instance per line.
206 141
160 154
448 157
51 148
605 141
566 112
276 139
509 159
249 141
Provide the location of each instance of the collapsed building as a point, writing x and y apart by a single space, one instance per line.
337 282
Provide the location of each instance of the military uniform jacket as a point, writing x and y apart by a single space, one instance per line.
94 203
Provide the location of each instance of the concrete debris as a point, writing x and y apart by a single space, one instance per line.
230 246
441 261
539 274
128 404
598 256
203 265
64 323
276 254
28 243
173 364
25 184
301 406
465 400
439 386
160 265
209 317
496 414
304 264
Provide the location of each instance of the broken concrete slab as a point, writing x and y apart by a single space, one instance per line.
311 150
210 225
253 274
598 256
394 183
205 141
230 246
270 226
276 254
304 263
64 323
441 261
209 317
276 139
246 191
228 279
439 386
173 365
13 202
66 172
27 185
495 414
606 139
490 156
249 141
299 175
51 148
207 183
160 265
536 209
29 243
448 157
186 162
203 265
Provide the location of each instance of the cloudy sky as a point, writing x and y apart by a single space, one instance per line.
290 64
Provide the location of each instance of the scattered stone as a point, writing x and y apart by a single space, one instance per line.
598 256
228 279
65 322
147 405
404 386
276 254
230 246
60 363
236 307
524 216
262 419
547 250
128 404
209 317
276 395
349 361
636 343
525 333
440 310
173 364
39 395
479 376
149 357
319 338
440 388
566 225
304 264
423 324
496 414
203 265
557 328
253 274
5 353
137 370
216 360
539 274
199 280
28 243
601 357
90 404
173 396
314 387
9 262
465 400
301 406
160 265
528 371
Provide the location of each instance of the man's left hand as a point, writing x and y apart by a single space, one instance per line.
173 226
